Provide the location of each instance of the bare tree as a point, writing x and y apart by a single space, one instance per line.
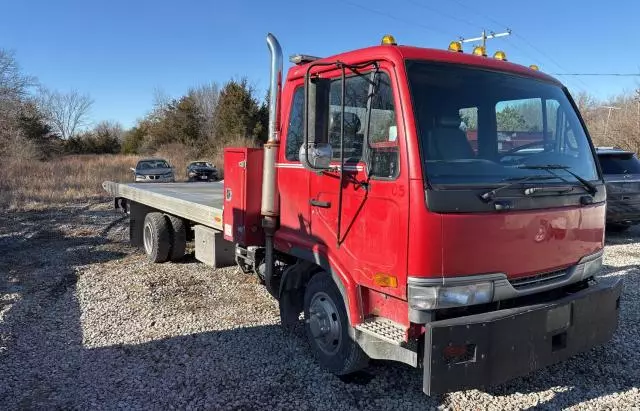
13 84
206 98
112 129
612 122
14 88
66 113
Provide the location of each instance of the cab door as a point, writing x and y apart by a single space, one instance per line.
293 179
366 229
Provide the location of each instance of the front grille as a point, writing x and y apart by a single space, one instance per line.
538 279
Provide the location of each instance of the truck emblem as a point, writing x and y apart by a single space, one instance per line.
541 234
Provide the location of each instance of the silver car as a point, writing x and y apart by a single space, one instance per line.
153 170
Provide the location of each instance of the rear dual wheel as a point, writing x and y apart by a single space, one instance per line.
164 237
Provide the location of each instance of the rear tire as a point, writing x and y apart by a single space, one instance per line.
178 235
327 327
156 237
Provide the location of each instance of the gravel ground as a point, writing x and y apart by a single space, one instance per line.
87 322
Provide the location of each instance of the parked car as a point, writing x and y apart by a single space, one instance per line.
202 171
621 170
153 170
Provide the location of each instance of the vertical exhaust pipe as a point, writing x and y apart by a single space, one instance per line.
270 206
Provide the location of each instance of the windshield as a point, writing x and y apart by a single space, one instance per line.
484 127
201 164
619 164
149 164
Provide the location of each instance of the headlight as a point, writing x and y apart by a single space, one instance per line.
139 176
431 298
192 173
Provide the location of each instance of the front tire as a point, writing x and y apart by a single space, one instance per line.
156 237
327 327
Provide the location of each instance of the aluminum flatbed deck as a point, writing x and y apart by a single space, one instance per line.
197 202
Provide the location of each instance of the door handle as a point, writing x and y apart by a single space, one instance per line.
321 204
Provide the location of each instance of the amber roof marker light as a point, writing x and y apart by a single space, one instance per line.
388 40
455 46
500 55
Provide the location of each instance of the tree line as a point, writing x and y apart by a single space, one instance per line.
39 123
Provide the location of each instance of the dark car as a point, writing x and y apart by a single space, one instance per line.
202 171
621 170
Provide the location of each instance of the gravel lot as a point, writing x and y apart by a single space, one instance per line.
87 322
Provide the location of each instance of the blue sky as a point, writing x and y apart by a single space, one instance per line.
121 51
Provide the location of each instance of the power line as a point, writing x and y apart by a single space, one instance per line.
385 14
520 37
446 15
598 74
461 4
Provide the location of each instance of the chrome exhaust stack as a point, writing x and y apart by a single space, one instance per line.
270 205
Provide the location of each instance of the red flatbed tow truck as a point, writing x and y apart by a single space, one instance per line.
432 207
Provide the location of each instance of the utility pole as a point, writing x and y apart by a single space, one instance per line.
606 125
638 109
484 37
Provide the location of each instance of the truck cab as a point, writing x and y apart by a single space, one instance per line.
428 199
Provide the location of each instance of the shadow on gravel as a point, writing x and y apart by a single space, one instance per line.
39 253
244 368
628 237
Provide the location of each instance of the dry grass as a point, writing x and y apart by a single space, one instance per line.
30 184
35 184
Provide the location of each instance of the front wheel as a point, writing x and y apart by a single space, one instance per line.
327 327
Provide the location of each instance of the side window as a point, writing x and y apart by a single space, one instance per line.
564 132
295 128
469 125
355 111
519 124
382 131
382 123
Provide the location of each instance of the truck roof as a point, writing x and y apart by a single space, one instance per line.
399 54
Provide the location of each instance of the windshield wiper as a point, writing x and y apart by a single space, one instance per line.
591 189
489 195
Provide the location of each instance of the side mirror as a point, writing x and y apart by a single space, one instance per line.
316 157
316 152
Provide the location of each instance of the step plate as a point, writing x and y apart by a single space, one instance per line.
383 329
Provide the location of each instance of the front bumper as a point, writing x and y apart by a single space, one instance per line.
203 177
506 344
147 179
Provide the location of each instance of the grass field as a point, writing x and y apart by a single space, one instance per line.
39 184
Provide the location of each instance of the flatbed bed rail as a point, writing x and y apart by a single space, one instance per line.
197 202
